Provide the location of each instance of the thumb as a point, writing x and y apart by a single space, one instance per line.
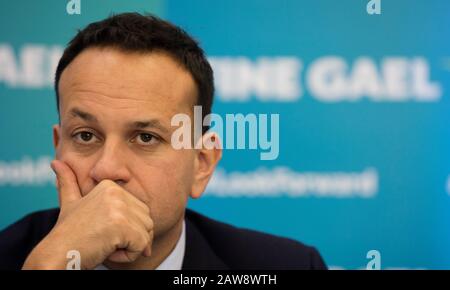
67 184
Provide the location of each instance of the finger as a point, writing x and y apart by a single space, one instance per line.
142 241
134 200
142 218
135 243
144 224
148 249
68 189
123 256
130 198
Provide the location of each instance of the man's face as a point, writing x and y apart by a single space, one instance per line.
115 110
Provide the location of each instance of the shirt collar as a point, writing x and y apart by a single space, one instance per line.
175 259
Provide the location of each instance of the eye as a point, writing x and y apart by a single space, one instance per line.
84 137
146 139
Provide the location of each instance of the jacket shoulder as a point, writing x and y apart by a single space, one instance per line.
249 249
19 239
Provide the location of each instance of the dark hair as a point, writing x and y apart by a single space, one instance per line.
133 32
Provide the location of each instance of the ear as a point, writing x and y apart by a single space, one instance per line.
56 136
206 160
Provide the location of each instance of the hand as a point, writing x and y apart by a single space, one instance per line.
108 223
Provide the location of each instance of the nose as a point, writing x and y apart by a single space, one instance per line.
111 164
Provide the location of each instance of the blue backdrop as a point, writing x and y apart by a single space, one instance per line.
364 139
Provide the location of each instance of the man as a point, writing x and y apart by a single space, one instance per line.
122 187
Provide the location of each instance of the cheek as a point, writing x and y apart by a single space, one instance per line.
163 181
167 185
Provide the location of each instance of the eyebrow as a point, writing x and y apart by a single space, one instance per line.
148 124
75 112
151 123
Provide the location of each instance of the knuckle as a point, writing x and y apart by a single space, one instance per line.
106 183
118 205
111 191
117 218
151 224
116 241
144 240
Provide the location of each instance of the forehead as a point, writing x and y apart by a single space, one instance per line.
119 82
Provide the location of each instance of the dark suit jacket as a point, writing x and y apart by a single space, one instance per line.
209 245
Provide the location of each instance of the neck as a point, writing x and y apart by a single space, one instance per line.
161 248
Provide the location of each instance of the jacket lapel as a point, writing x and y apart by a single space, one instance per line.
198 253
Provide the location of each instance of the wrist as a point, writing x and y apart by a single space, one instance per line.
49 254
